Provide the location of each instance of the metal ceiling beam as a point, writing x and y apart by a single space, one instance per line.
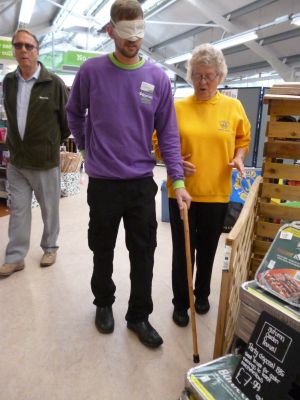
233 15
271 57
157 57
157 8
212 12
281 36
6 7
15 17
41 29
265 41
262 65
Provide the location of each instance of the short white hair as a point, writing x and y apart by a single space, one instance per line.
209 55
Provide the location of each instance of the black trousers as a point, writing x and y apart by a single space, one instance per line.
206 223
134 201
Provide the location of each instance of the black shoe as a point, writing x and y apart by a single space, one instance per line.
180 317
146 333
104 320
202 306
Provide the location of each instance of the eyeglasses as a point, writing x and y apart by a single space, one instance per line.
206 78
28 46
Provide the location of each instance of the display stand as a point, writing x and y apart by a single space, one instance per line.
4 155
269 363
253 301
266 209
213 380
3 185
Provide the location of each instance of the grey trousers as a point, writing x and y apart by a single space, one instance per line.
46 187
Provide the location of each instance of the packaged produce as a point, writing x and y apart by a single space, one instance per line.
279 272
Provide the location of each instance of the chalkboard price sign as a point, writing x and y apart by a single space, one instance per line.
270 361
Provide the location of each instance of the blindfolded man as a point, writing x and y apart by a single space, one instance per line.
116 102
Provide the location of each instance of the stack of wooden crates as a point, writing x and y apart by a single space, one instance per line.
274 199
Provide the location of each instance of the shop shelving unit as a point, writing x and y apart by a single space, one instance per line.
271 203
3 150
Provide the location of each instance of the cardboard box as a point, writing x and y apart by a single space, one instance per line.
255 300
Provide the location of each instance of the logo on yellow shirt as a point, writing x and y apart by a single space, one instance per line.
224 126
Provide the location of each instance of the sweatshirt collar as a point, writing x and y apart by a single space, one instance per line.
213 100
125 66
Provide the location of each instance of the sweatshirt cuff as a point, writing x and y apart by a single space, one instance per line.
82 152
179 184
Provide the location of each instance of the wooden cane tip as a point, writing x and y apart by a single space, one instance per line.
196 358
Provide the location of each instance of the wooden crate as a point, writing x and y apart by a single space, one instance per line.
238 251
268 206
281 150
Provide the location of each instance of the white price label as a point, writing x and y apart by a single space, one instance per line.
271 264
286 235
227 253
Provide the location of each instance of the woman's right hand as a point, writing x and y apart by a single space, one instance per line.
188 168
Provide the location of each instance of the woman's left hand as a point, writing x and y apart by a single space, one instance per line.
188 167
238 163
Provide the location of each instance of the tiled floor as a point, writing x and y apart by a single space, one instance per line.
49 346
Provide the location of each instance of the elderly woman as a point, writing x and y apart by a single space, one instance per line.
215 134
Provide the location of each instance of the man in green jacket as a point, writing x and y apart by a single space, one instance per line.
34 101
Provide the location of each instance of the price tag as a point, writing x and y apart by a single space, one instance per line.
270 362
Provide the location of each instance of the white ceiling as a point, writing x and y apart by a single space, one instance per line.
179 27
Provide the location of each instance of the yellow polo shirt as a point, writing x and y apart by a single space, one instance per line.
211 131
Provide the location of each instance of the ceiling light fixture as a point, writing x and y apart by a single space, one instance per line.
235 40
222 44
240 38
26 11
178 59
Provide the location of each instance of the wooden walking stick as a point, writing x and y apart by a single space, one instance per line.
190 280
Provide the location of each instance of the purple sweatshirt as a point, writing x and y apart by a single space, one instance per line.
112 112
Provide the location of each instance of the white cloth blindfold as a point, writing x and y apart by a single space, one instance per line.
130 30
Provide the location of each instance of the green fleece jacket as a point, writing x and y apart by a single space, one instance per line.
46 125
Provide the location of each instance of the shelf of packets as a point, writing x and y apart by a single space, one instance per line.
276 288
213 380
216 379
274 292
254 300
70 165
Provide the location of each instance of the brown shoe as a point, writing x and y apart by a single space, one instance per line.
48 259
9 268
